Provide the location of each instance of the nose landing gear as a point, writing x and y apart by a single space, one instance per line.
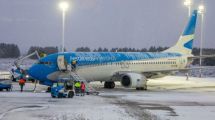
109 85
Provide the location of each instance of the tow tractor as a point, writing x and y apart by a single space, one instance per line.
63 88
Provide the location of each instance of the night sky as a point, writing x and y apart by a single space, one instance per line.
105 23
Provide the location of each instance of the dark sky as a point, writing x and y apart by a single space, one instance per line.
105 23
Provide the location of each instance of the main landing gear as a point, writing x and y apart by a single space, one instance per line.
141 88
109 85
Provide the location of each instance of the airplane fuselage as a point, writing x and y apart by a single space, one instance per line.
101 66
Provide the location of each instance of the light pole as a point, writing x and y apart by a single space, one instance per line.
63 7
201 11
188 4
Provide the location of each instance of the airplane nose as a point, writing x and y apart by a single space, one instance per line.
37 72
32 71
40 72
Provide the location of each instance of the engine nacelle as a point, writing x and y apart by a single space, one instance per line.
133 80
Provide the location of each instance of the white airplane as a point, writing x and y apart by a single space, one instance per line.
130 68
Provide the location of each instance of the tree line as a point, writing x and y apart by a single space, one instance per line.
9 50
13 51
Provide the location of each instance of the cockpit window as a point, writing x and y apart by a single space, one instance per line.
44 63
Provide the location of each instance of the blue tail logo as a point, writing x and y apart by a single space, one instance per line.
189 45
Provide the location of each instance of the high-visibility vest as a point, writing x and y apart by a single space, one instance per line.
78 84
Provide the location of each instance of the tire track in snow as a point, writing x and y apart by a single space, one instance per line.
23 108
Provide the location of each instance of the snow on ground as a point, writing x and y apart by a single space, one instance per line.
167 98
29 87
180 82
40 106
170 97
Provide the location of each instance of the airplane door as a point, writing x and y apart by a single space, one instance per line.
61 62
181 62
124 65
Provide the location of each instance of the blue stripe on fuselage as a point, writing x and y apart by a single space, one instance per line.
90 58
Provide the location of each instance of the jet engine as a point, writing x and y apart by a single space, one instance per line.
134 80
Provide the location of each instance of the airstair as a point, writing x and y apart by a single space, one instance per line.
89 88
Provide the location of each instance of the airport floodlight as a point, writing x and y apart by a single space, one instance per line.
201 9
64 6
188 4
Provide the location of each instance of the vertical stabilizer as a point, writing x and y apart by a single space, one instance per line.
185 42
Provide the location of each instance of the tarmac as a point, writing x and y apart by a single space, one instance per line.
170 97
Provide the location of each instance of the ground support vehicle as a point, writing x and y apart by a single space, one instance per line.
63 88
5 81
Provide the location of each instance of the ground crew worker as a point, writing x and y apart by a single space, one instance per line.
77 88
187 76
21 83
82 88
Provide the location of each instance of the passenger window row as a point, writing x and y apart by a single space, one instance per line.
133 63
151 62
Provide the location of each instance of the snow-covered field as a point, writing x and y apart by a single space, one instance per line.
40 106
170 97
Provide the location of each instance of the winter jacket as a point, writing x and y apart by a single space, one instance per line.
21 82
83 86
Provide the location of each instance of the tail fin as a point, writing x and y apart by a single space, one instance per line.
185 42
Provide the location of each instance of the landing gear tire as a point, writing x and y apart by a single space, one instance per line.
60 95
70 94
109 85
141 88
48 89
112 85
